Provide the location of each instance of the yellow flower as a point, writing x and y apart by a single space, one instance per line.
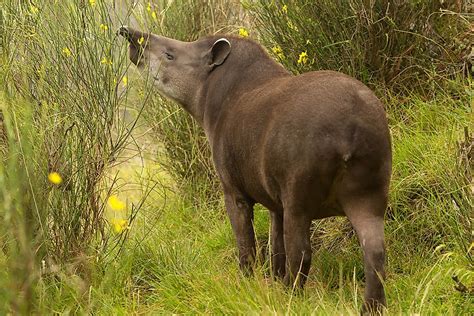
292 26
104 27
141 40
278 51
243 32
115 203
153 15
34 9
92 3
284 9
106 61
148 7
124 80
119 225
67 52
55 178
303 58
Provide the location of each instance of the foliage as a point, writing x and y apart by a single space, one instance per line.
63 113
401 45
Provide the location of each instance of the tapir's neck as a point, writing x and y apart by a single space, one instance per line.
227 83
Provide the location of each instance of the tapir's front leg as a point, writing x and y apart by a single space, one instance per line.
278 246
240 211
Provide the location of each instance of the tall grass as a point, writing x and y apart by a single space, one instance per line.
65 111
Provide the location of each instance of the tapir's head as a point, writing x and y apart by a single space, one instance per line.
178 68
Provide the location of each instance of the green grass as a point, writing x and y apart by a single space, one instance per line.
182 259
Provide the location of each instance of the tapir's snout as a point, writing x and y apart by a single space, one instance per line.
123 31
138 42
135 37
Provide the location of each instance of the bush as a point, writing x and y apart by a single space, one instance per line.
63 103
403 45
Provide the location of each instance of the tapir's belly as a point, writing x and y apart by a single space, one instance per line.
269 169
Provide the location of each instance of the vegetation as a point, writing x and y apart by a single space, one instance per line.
394 44
108 199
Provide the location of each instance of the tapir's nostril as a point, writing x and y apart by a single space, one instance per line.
123 30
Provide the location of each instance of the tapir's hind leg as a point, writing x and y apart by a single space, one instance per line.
363 195
365 212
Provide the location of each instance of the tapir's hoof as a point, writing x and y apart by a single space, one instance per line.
294 285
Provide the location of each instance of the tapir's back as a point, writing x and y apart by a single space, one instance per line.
323 110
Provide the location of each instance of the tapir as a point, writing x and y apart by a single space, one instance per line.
306 146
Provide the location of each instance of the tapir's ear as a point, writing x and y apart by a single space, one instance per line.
219 52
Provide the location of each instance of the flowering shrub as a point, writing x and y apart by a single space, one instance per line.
400 44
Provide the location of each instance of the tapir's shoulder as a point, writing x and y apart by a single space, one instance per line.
327 85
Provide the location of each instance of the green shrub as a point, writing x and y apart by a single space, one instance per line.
404 45
64 112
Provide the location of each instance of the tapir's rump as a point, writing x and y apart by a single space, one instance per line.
306 147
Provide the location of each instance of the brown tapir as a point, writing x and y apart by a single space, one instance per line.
306 147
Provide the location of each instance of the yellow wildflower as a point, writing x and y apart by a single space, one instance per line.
284 9
292 26
34 9
92 3
115 203
148 7
278 51
106 61
104 27
243 32
153 15
303 58
124 80
55 178
119 225
67 52
141 40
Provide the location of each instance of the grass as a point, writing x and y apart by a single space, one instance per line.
182 259
58 251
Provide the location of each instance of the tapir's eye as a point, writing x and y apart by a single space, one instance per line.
169 56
